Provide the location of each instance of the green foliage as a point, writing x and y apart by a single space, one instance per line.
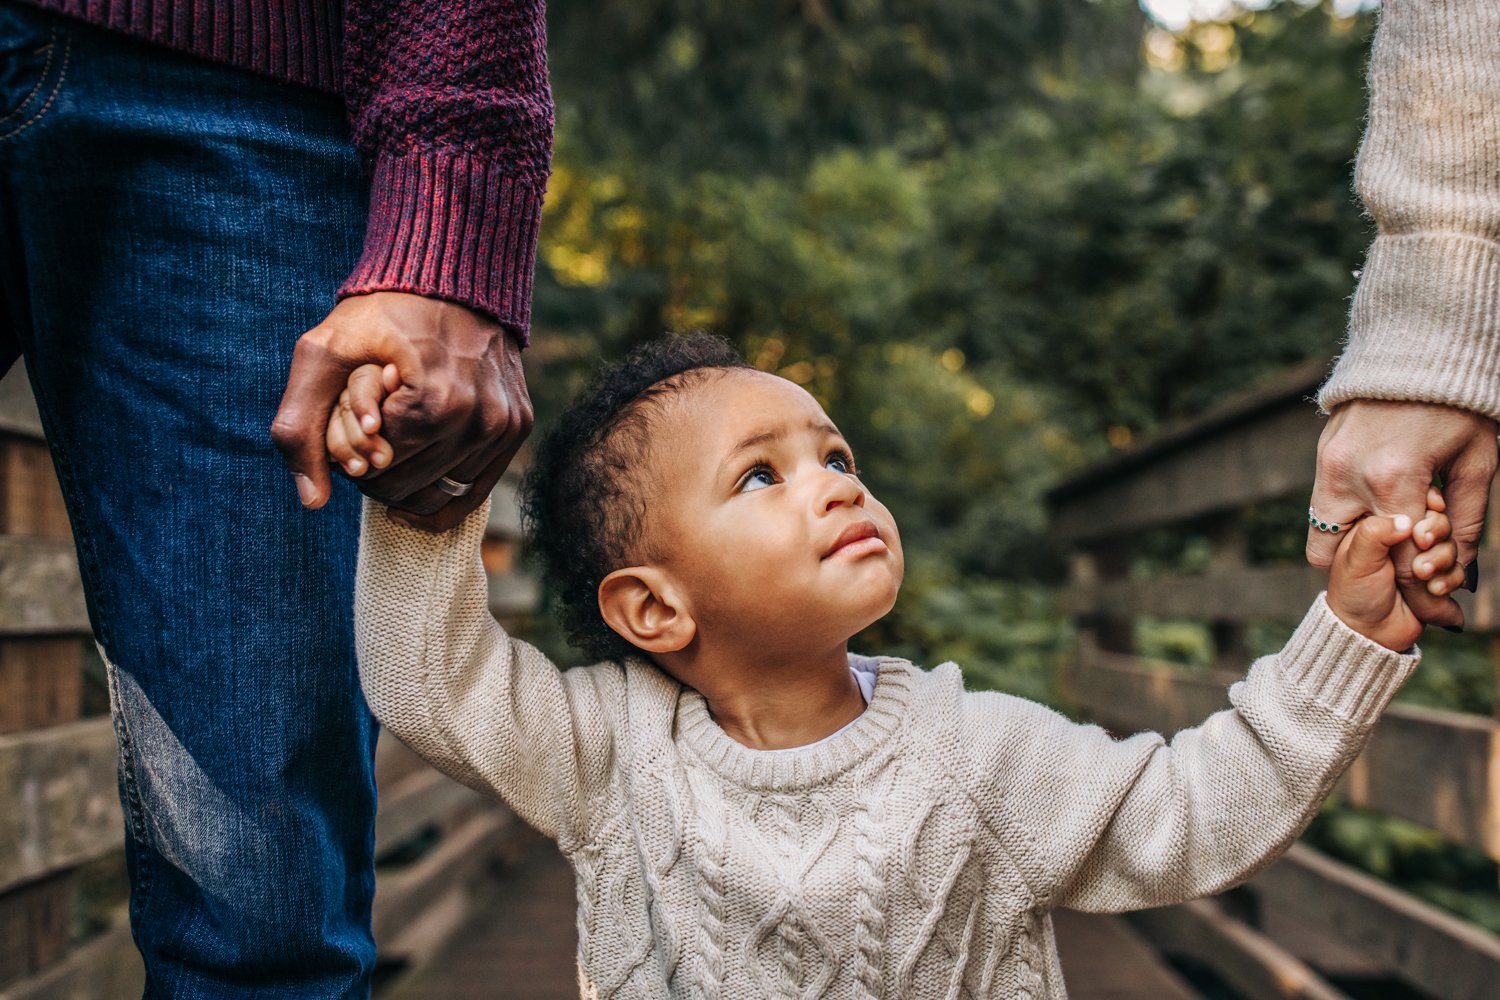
742 88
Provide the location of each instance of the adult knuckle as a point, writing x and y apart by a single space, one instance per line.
524 416
286 434
1386 475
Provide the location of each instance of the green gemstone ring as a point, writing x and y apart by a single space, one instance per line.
1332 527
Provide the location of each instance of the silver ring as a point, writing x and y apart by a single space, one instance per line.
1332 527
453 487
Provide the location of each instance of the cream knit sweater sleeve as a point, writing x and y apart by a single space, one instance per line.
486 709
1425 324
1105 825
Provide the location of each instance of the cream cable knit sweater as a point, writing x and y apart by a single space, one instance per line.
1426 318
915 854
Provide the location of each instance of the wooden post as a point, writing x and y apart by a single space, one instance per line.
1230 549
31 502
40 677
1101 563
41 680
35 925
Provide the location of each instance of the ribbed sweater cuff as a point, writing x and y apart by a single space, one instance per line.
1346 673
452 226
1425 325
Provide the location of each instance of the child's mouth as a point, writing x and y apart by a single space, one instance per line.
859 539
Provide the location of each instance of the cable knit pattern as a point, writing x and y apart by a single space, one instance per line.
915 854
1425 324
448 102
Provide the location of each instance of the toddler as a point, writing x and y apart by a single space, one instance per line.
753 811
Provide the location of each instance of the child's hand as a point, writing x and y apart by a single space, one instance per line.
352 439
1362 583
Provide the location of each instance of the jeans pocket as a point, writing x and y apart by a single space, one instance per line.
33 66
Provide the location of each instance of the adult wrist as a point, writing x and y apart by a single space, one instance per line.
454 226
1423 327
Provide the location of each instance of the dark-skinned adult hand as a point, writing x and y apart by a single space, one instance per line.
1379 458
461 410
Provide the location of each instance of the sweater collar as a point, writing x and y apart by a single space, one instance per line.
807 766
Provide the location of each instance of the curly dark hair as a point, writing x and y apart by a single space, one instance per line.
583 501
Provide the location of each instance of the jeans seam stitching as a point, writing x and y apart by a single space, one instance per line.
62 76
135 810
41 81
134 807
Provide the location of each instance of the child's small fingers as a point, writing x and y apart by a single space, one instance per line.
381 453
1447 581
340 450
1435 500
365 391
390 378
1434 527
353 429
1439 559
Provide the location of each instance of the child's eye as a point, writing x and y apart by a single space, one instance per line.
840 461
758 478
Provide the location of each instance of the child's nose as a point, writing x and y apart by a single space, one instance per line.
843 490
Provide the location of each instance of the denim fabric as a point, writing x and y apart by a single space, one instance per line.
168 227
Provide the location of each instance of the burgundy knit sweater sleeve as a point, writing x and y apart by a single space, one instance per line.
449 103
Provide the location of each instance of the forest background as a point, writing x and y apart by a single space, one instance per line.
999 240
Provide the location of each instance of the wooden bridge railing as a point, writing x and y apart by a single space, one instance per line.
62 930
1436 768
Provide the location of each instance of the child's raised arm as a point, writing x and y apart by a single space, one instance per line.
1117 825
486 709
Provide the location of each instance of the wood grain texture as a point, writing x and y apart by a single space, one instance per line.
41 682
18 413
1269 458
35 924
425 798
1434 951
31 501
460 857
62 803
41 592
1251 963
107 968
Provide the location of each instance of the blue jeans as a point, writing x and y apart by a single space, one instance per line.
168 228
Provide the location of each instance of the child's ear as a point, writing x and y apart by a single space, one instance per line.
641 604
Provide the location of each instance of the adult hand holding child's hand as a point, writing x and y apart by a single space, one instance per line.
461 409
1362 585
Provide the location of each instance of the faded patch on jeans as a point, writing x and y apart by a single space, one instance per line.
189 821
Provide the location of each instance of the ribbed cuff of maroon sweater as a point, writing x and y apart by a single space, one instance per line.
453 226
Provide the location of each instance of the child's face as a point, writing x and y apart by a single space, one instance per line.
761 518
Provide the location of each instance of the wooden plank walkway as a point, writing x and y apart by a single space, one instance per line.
521 945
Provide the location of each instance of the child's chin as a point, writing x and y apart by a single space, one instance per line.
878 608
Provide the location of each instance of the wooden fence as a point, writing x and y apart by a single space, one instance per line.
63 934
1307 917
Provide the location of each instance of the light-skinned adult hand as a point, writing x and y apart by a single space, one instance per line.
462 409
1379 457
